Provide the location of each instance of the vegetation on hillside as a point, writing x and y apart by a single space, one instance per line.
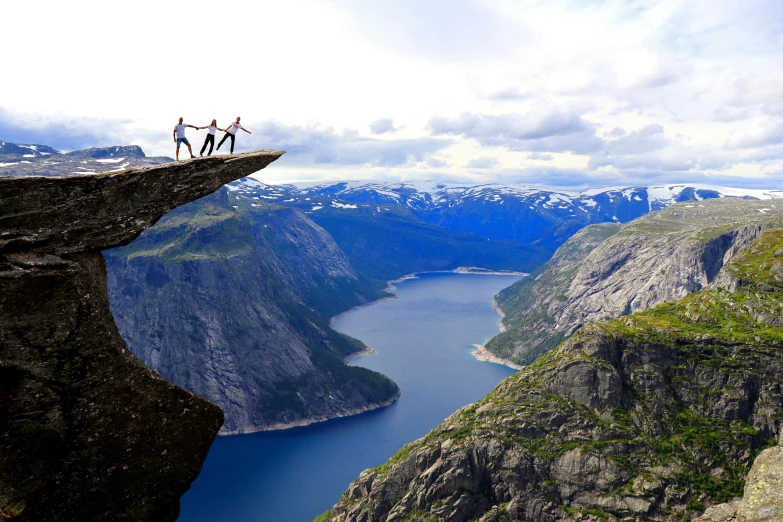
659 413
608 270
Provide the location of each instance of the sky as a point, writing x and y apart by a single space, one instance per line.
555 92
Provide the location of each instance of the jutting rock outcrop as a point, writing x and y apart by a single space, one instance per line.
609 270
653 416
86 431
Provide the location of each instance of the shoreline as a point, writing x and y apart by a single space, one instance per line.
481 353
359 307
501 313
314 420
465 270
367 351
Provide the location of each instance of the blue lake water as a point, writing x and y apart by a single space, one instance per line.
423 340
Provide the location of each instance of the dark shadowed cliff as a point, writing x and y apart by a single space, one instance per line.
230 298
86 431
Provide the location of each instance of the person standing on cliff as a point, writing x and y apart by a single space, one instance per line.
179 136
211 129
231 132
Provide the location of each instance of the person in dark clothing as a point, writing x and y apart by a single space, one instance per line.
211 129
231 132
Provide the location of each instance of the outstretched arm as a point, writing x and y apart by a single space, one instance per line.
244 129
193 126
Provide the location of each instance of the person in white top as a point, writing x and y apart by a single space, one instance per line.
179 136
211 129
231 132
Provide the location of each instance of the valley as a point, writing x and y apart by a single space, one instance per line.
636 330
653 416
423 341
391 261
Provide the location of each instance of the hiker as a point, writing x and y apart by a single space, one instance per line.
211 129
231 131
179 136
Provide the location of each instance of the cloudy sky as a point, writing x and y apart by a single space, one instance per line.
557 92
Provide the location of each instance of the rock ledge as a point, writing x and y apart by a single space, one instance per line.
87 432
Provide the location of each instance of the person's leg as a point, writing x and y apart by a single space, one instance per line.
186 142
224 139
204 147
233 137
177 155
211 139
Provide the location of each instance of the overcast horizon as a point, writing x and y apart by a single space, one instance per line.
571 93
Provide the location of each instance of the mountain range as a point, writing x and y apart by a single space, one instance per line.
543 216
41 160
254 272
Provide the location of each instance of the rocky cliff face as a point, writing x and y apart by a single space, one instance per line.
606 271
231 298
88 432
652 416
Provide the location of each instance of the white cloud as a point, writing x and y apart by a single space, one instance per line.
542 129
765 88
382 126
613 87
486 162
758 134
540 156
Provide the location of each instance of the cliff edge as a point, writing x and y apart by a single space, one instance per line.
87 432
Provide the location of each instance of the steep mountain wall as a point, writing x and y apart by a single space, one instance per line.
652 416
88 432
231 299
606 271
